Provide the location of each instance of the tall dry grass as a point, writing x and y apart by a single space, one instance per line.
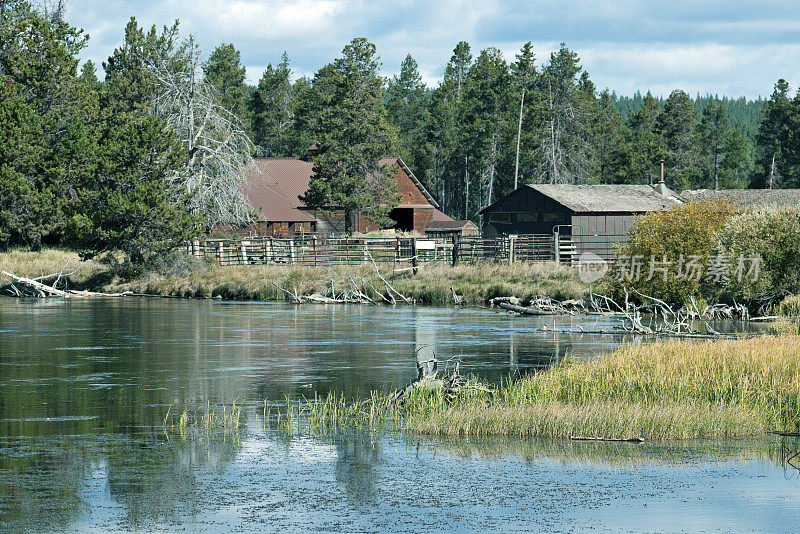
431 285
48 261
672 390
476 283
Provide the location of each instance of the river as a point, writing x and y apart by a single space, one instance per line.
85 385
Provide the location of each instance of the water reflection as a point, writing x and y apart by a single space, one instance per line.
85 385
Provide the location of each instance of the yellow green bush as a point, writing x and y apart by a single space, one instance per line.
671 239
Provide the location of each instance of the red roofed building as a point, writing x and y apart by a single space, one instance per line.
276 186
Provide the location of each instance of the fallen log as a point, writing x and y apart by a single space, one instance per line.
523 310
619 440
43 289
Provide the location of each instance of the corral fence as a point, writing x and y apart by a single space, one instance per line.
406 252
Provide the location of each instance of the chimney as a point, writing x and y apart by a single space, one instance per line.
661 188
311 151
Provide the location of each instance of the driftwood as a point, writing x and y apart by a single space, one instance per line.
523 310
39 289
352 293
452 383
620 440
33 287
663 319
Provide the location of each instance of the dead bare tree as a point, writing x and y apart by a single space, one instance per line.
220 152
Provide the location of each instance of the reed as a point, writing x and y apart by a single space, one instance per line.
672 390
209 419
668 390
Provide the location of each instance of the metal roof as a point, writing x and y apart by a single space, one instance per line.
289 176
273 206
278 183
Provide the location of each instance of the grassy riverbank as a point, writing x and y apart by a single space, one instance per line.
199 279
672 390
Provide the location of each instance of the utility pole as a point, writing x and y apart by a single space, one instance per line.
519 134
772 171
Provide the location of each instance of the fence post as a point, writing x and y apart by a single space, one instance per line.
219 252
414 262
244 252
511 240
315 251
556 248
291 251
456 246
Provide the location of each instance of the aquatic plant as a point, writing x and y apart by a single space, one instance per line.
668 390
209 419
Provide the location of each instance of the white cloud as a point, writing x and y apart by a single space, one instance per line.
729 46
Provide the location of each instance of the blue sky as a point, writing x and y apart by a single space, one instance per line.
734 47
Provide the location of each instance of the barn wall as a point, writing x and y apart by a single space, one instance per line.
409 192
601 233
422 218
527 212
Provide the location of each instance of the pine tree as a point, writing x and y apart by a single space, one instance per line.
406 104
722 149
351 128
565 120
773 139
675 125
129 204
606 135
640 154
446 166
272 109
524 105
129 77
486 111
225 72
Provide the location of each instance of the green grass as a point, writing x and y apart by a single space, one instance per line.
671 390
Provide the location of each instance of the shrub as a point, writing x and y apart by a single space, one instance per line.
669 240
774 237
790 306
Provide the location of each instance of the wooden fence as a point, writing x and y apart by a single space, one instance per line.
407 252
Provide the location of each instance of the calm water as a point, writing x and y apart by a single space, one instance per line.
85 384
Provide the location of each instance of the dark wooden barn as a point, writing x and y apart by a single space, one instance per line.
587 218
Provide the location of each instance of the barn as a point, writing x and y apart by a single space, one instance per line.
276 186
587 218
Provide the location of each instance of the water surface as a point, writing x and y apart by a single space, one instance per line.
85 385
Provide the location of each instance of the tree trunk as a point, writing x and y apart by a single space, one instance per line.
519 134
466 189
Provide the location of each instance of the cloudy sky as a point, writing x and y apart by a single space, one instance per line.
733 47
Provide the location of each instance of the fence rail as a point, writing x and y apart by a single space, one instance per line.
326 251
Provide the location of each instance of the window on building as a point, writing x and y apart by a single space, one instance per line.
553 217
503 218
528 217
